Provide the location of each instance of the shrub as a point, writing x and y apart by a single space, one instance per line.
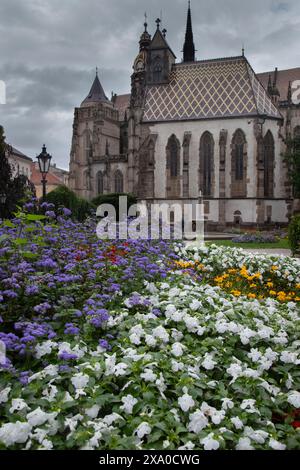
255 238
294 234
113 199
64 197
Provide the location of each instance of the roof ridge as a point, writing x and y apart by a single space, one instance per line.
189 64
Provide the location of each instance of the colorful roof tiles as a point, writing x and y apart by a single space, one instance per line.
209 89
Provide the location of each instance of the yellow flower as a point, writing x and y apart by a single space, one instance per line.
252 296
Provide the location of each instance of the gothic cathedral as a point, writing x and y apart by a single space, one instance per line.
210 126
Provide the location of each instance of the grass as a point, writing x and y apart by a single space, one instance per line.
281 244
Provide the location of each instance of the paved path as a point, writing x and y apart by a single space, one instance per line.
269 251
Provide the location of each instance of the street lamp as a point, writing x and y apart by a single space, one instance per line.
44 160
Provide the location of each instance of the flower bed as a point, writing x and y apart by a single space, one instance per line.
238 273
110 348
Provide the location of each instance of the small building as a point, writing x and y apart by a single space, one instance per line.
19 162
55 178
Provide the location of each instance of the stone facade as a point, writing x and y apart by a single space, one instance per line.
213 127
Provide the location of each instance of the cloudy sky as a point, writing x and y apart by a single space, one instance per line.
49 50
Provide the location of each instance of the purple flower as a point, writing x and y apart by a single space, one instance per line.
65 356
67 212
31 290
71 329
50 214
104 344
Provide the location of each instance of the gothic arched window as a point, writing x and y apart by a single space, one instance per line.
239 143
269 159
173 156
119 182
206 163
100 182
239 164
173 167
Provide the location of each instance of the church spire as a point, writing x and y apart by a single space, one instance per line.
96 93
189 46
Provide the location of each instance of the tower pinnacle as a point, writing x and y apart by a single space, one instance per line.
189 46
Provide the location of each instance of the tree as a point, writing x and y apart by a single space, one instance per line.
17 189
293 159
5 173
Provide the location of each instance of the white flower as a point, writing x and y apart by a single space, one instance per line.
14 433
186 402
18 404
161 334
275 445
255 355
51 370
191 323
173 313
289 357
135 339
149 375
177 366
198 421
50 392
110 419
80 381
195 305
210 443
248 406
129 402
294 399
110 363
150 341
177 349
238 424
244 444
38 417
208 362
120 369
4 394
93 411
143 430
46 445
44 348
258 436
166 444
246 334
188 446
227 404
235 370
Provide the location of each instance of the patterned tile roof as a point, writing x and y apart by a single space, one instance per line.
209 89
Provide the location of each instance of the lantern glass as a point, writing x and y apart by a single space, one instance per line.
2 198
44 160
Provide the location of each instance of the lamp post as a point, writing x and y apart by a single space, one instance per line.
44 160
